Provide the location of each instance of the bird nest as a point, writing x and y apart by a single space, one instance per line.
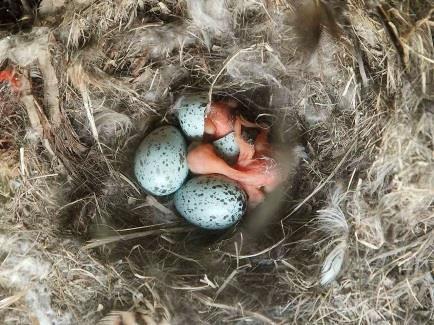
348 88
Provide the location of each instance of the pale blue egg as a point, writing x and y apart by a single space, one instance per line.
191 115
227 148
160 164
211 201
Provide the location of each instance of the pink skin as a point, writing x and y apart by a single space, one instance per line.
255 170
258 174
204 160
255 195
258 158
262 147
219 121
247 151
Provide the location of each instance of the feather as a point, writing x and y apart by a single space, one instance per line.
210 15
332 220
333 263
333 223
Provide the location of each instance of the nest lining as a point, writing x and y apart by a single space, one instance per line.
357 222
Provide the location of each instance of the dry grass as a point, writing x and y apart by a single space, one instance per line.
350 240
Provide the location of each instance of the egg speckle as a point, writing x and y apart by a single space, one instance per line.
227 148
160 164
211 202
191 115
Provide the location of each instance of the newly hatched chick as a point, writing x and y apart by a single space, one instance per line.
256 170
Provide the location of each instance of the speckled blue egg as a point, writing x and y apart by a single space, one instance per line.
227 148
211 202
160 164
191 115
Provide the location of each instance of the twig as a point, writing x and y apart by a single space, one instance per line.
394 37
241 257
253 314
112 239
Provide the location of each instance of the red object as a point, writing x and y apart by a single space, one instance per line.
255 170
10 76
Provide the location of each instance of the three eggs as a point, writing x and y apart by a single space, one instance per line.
160 166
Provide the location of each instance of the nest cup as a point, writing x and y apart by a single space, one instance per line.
199 239
347 88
